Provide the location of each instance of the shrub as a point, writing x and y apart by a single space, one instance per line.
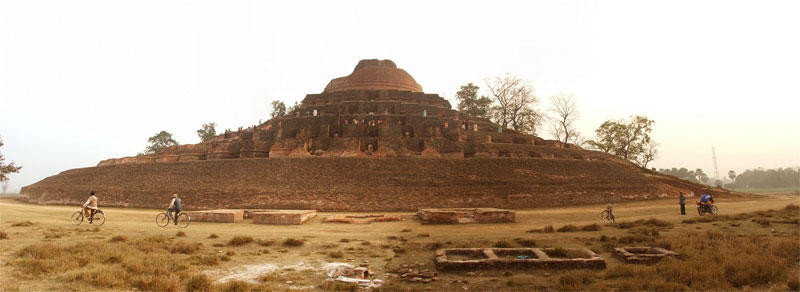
423 235
198 283
292 242
23 224
366 243
265 242
184 247
236 286
526 242
501 244
406 230
3 235
344 240
433 245
240 240
568 228
119 238
625 225
159 282
230 253
791 208
213 235
591 227
180 234
336 254
206 260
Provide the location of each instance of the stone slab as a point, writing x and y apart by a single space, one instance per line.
219 215
361 219
283 217
466 215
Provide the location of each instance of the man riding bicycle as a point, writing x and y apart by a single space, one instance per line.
174 206
90 207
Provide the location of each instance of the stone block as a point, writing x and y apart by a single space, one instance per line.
643 254
221 215
283 217
517 258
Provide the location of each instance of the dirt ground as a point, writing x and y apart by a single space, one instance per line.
273 259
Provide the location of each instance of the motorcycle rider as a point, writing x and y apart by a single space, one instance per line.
705 201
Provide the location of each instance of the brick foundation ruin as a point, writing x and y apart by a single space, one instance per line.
517 258
283 217
221 216
643 254
465 215
361 219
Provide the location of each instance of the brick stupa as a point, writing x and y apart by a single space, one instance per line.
372 140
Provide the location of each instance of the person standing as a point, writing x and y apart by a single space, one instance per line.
683 204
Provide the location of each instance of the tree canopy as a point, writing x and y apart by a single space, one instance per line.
515 104
6 169
471 104
278 109
627 139
160 141
207 132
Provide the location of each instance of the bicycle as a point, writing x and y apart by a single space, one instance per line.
163 219
607 215
98 218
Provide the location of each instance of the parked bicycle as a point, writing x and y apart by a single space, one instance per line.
163 219
99 218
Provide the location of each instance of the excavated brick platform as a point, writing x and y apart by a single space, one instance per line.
361 219
283 217
221 215
643 254
517 258
466 215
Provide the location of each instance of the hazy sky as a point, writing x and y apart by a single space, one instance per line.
82 81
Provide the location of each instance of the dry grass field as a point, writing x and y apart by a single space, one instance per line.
754 244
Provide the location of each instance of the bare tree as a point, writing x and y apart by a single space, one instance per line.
566 113
515 99
649 154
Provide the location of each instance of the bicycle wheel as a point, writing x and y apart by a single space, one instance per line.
700 211
183 220
99 218
77 218
606 216
714 210
162 220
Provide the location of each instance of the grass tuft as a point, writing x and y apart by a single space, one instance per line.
3 235
336 254
22 224
184 247
568 228
198 283
119 238
293 242
180 234
591 227
240 240
213 235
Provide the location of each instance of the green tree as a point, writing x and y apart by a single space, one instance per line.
160 141
278 109
471 104
207 132
627 139
732 175
6 169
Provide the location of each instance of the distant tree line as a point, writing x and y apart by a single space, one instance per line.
697 175
770 178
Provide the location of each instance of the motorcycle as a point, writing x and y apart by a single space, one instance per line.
702 208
